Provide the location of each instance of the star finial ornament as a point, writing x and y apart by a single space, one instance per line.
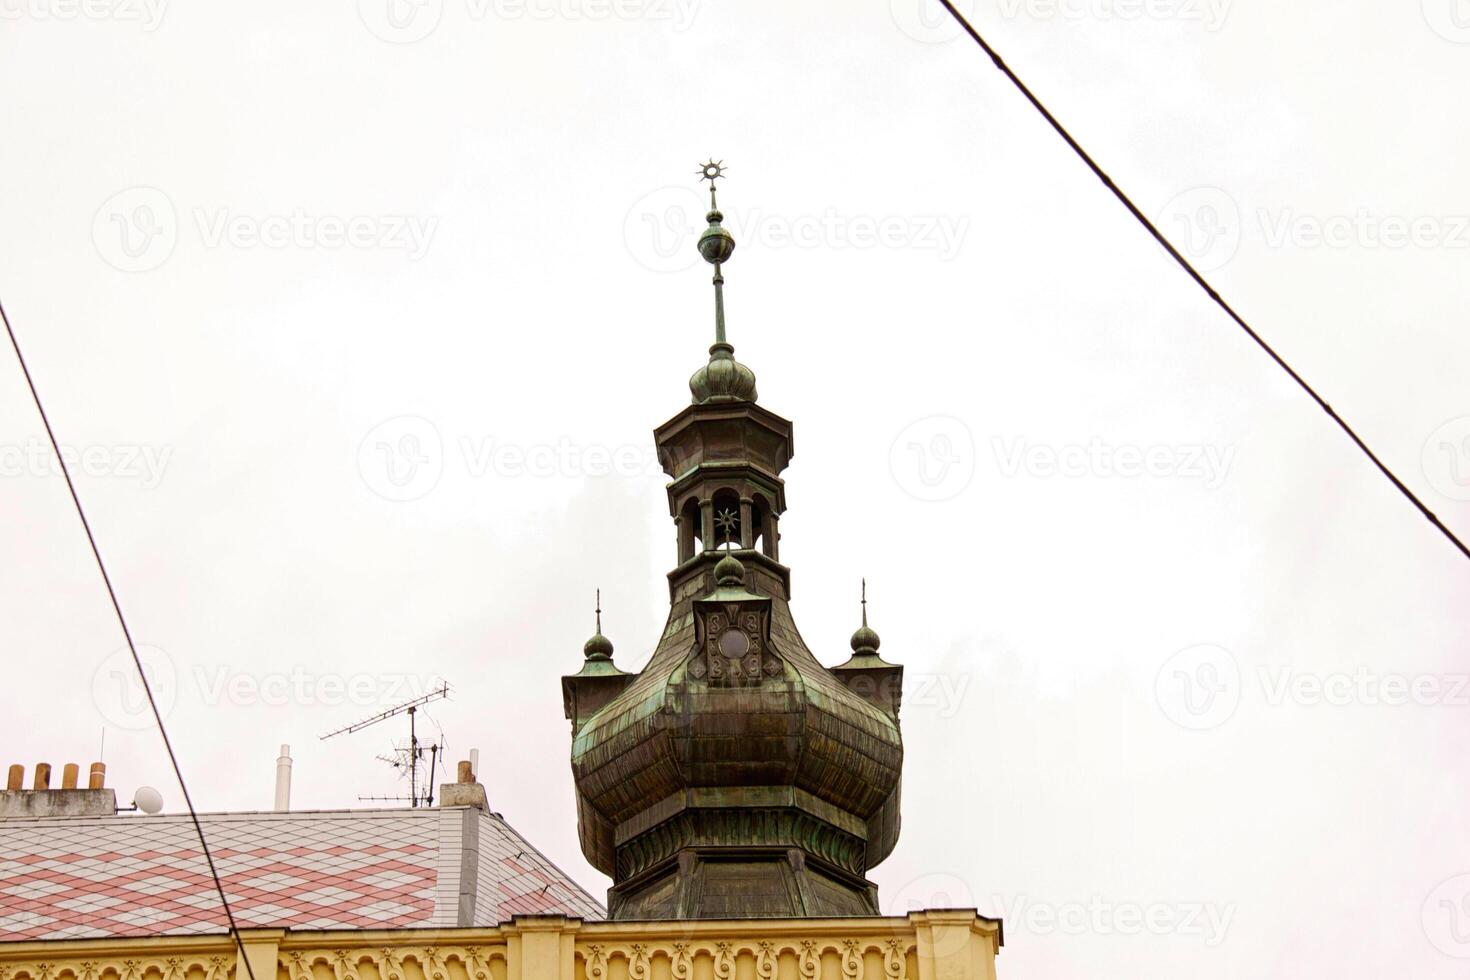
711 170
728 522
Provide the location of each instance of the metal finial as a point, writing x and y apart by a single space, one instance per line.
599 610
711 170
728 521
865 602
716 245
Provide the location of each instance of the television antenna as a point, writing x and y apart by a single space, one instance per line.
407 758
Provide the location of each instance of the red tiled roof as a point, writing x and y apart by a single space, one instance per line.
74 877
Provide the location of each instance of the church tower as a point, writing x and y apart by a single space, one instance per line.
735 776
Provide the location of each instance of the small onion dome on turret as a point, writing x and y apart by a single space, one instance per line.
729 572
865 641
598 648
723 379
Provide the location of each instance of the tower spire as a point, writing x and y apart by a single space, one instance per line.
724 379
716 244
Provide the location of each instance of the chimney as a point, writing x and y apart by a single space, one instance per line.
466 791
283 779
68 801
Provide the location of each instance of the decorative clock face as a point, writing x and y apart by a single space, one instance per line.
734 643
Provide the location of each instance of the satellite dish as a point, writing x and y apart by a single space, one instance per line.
148 799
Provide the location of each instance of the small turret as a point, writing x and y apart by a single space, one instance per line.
599 680
868 674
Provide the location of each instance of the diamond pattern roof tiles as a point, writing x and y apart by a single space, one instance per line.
70 877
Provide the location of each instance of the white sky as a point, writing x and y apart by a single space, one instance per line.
230 393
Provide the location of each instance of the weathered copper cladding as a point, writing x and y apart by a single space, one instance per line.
735 775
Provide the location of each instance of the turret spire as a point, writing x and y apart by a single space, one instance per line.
599 648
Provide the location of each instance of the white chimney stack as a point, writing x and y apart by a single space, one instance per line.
283 779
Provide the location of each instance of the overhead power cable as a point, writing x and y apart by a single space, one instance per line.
132 647
1197 277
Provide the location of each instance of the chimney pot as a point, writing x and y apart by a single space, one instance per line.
283 779
466 773
97 776
43 775
17 778
69 776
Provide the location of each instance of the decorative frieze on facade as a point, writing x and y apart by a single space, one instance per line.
941 945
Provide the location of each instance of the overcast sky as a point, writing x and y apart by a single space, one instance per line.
358 320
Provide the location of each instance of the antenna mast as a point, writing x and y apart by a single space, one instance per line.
410 756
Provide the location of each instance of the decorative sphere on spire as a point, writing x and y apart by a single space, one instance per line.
716 244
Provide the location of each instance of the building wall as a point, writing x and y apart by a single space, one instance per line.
932 945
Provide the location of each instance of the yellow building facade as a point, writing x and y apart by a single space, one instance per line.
926 945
